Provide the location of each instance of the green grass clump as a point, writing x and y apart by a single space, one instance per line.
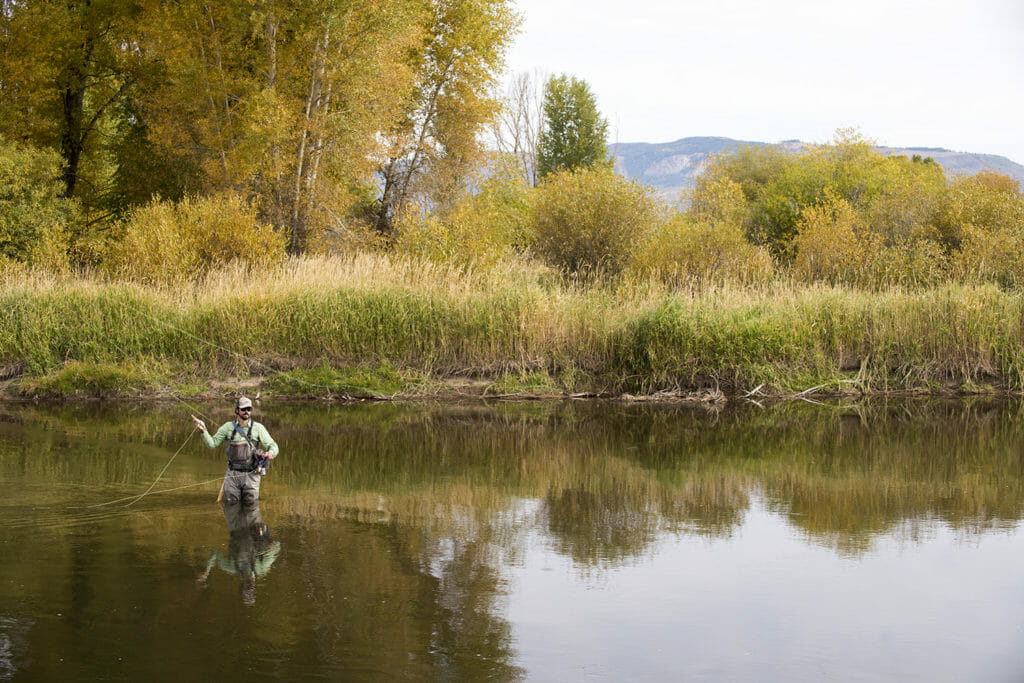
375 381
526 383
89 380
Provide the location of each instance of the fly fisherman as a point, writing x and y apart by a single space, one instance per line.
249 443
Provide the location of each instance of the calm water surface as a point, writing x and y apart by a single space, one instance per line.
528 541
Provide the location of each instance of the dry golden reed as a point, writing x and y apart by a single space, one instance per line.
437 319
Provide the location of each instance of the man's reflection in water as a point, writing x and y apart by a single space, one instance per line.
251 550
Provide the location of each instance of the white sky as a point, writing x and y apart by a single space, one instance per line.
924 73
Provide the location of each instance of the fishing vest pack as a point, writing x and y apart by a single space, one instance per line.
240 453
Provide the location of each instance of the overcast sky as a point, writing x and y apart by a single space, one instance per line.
935 73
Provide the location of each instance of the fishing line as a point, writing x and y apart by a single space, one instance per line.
187 439
121 500
143 495
191 407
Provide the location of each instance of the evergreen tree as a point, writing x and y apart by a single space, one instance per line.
574 131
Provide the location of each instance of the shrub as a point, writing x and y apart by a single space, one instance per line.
831 246
89 379
167 241
707 244
589 220
907 200
987 202
834 245
989 255
479 228
892 196
35 221
716 198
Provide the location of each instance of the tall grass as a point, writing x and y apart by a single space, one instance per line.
514 318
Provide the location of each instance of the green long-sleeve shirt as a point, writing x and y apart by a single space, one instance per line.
260 437
256 562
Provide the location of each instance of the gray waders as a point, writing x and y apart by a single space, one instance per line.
241 481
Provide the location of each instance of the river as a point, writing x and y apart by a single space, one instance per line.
545 541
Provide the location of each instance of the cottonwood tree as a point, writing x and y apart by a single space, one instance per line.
574 133
284 100
294 105
64 69
436 142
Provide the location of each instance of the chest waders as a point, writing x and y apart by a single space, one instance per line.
240 453
241 483
246 465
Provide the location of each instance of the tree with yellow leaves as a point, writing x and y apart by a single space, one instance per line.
435 144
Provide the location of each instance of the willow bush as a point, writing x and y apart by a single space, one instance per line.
706 244
171 241
36 222
681 251
590 220
479 228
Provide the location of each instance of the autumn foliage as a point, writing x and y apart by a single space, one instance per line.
156 142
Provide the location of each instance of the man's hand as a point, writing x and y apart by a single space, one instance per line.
200 425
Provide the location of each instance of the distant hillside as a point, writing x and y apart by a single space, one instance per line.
672 167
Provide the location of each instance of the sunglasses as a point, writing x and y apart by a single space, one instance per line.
245 410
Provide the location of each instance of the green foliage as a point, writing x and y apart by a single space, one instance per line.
574 133
363 381
66 68
479 228
706 244
845 213
524 383
143 169
78 379
590 220
36 222
171 241
894 198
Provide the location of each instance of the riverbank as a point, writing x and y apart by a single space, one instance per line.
370 326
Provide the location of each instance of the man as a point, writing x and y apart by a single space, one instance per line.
248 442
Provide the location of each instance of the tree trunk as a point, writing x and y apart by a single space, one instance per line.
72 103
297 241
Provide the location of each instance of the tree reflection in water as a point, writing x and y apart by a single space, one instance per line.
401 520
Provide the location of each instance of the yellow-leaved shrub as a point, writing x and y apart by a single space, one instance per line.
986 201
708 243
683 251
590 220
168 241
479 228
990 255
834 245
